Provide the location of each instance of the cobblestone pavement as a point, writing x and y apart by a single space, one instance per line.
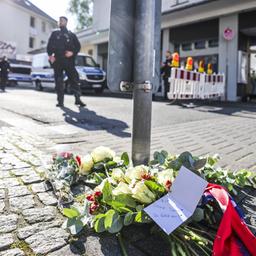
30 223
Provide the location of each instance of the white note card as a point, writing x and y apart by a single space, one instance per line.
173 209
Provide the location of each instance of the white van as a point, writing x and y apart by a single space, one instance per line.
91 76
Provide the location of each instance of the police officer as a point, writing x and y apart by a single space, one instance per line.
4 70
62 48
166 71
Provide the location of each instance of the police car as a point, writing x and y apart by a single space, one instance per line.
19 74
91 76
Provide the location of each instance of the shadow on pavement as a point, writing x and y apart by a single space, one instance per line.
89 120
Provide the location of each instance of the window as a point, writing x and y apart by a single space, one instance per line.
85 61
213 43
186 46
32 22
90 52
43 42
200 44
31 42
43 26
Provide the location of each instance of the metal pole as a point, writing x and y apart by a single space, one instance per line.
146 31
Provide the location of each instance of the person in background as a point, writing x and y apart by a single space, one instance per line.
166 72
4 70
62 48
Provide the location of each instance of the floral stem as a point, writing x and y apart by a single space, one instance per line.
121 243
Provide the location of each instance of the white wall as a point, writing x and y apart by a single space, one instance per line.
101 14
15 26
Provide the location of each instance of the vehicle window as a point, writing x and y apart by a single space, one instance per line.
90 62
21 70
85 61
40 61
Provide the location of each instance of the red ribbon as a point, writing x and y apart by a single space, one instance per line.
232 228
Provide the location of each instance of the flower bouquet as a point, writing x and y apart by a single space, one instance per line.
121 192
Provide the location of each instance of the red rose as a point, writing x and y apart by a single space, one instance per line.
78 160
168 185
93 207
97 194
90 198
146 176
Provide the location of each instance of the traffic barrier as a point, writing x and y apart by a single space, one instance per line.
185 84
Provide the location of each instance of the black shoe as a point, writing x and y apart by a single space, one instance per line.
80 103
59 105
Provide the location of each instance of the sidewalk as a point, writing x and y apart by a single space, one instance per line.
30 223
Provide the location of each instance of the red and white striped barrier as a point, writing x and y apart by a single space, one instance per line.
186 84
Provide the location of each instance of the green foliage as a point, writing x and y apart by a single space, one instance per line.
154 187
99 223
70 212
125 158
129 218
82 10
107 192
142 217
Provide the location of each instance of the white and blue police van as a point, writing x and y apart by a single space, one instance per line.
91 76
19 74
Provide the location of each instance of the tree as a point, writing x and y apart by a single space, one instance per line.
82 10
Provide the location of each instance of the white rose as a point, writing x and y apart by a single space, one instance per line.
117 174
101 153
164 176
142 193
122 188
86 165
136 172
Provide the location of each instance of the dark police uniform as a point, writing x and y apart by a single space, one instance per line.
60 41
166 72
4 70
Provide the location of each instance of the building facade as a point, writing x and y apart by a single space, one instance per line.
23 28
220 32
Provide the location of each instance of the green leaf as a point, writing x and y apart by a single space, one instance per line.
111 164
128 218
107 192
77 227
155 155
125 158
109 218
125 199
70 212
164 153
153 186
99 167
142 217
113 221
161 159
199 164
99 224
175 164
